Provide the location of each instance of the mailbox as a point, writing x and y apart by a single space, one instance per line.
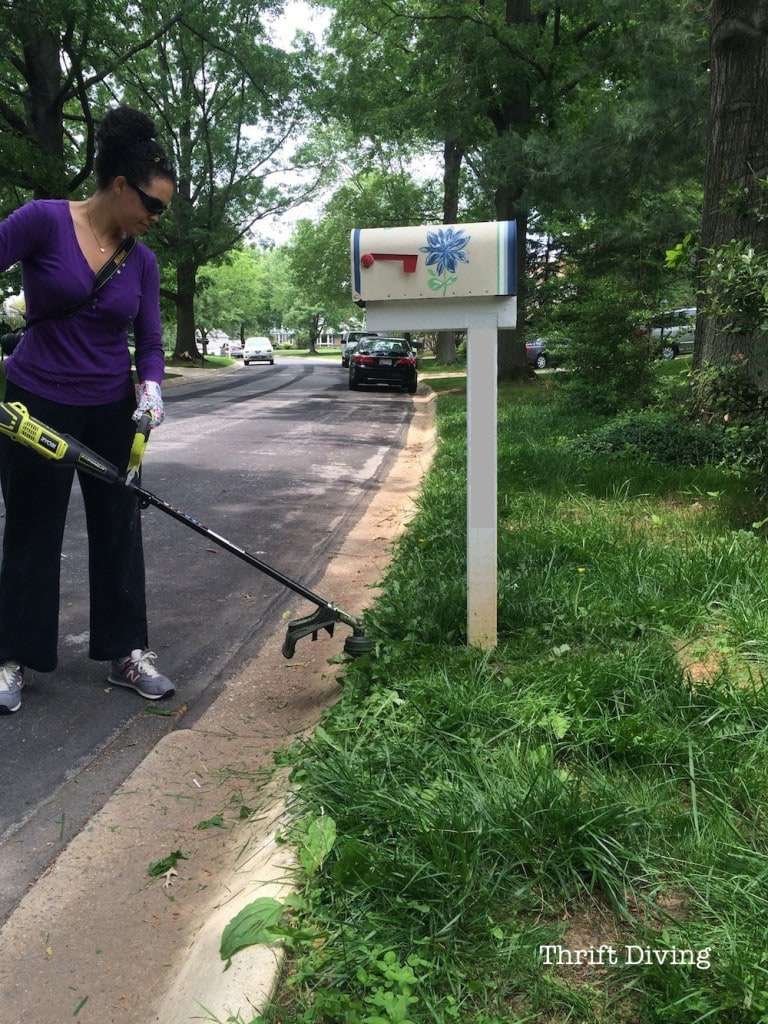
397 273
434 262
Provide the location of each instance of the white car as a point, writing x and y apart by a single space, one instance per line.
216 343
258 350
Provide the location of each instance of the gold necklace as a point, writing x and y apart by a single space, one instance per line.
102 248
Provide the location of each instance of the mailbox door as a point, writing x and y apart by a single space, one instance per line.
434 262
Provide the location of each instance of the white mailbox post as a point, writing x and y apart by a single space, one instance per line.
452 277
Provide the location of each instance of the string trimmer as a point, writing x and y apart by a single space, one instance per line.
16 423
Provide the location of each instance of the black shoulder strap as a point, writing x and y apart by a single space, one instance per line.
113 264
105 274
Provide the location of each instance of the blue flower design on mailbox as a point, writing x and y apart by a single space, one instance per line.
445 249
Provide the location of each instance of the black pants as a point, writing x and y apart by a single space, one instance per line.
36 493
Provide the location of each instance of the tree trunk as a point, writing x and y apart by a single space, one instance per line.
314 324
445 347
42 103
737 158
186 268
514 116
186 274
453 154
512 362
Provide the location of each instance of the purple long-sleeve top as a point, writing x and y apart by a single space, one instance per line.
82 359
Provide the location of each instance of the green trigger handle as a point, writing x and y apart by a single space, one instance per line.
143 428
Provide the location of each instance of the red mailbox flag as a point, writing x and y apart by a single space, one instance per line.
408 260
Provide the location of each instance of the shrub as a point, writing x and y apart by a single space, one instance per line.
725 396
735 286
725 393
746 449
654 434
671 390
611 366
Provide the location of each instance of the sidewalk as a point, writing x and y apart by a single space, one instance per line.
96 937
191 374
431 375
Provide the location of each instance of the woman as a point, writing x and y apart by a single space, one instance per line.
73 372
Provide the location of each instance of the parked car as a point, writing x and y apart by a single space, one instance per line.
389 361
351 342
544 352
347 351
216 342
232 348
258 350
672 333
211 349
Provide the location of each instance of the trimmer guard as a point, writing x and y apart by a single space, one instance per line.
324 618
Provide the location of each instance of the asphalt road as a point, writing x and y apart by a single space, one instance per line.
282 461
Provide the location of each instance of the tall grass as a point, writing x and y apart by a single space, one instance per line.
486 804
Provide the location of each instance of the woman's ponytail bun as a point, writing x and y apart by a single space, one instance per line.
126 144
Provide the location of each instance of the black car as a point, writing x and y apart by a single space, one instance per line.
384 361
541 352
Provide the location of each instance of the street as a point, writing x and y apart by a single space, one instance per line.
281 460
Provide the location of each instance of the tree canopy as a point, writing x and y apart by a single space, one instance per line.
587 122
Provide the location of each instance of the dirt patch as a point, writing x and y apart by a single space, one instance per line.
594 948
703 662
701 667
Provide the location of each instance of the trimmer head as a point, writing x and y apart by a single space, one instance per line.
357 644
325 617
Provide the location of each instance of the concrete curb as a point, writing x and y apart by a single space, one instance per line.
251 979
202 979
95 936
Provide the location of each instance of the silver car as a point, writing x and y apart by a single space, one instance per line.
350 343
673 332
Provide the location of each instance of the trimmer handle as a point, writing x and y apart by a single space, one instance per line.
16 423
144 425
140 439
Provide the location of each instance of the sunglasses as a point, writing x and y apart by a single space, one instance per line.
152 204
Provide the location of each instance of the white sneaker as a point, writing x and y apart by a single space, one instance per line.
11 683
